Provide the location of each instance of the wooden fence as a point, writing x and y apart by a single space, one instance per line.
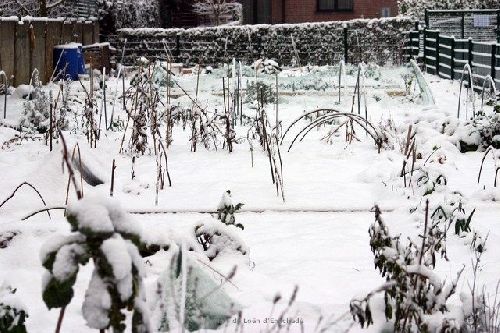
27 44
447 56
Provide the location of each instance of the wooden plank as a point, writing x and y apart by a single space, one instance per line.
67 32
78 32
97 32
22 54
54 31
37 45
7 42
88 33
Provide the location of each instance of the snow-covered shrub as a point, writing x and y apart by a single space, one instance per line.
36 111
452 211
259 92
373 71
161 77
415 296
12 312
119 14
104 233
428 180
206 304
217 238
479 133
219 11
307 83
226 210
416 8
267 66
448 208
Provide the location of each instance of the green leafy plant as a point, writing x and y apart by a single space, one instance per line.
261 92
226 210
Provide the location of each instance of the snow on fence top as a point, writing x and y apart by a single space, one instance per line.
256 27
46 19
369 40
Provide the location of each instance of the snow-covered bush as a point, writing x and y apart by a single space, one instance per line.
266 66
453 211
217 238
219 11
373 71
226 210
161 77
415 296
36 111
307 83
113 14
479 133
104 233
259 92
416 8
118 14
13 314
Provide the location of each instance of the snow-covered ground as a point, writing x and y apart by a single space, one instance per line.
317 239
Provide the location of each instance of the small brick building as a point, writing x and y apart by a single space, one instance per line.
298 11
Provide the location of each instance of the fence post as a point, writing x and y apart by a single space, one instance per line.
437 53
426 18
470 52
452 60
177 46
462 26
345 44
493 61
498 26
425 48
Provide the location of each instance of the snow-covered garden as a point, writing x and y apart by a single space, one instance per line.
256 199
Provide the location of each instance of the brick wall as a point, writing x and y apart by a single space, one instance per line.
297 11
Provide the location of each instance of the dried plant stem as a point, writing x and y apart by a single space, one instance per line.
20 186
51 126
482 163
67 162
112 187
60 319
48 209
